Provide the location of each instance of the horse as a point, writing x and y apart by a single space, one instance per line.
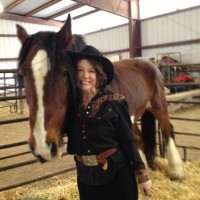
46 70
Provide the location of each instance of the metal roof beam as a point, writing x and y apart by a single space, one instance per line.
118 7
65 11
32 20
87 13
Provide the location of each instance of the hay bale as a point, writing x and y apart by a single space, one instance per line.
165 189
64 187
56 188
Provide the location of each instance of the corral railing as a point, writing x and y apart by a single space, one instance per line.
10 90
185 149
24 163
28 163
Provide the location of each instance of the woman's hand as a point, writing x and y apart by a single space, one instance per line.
145 188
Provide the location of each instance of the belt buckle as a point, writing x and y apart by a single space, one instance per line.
90 160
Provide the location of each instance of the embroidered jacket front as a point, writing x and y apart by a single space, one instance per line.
104 124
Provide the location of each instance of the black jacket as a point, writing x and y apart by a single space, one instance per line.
104 124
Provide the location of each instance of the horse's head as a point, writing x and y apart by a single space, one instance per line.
44 64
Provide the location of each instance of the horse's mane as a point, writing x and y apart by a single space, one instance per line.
77 43
55 49
46 39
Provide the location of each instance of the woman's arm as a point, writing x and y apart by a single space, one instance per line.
128 146
125 136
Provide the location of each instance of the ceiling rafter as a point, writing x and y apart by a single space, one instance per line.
65 11
41 8
118 7
87 13
125 8
32 20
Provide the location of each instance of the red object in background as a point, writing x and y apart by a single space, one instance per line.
182 78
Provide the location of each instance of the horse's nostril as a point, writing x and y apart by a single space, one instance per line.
54 149
41 159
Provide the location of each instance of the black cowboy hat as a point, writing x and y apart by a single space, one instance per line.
92 53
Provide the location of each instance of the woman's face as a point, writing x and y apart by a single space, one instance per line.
86 76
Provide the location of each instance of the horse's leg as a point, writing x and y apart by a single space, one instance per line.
149 136
175 164
138 138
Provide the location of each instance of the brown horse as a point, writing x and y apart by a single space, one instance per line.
47 73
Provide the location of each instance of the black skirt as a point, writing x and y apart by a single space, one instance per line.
122 187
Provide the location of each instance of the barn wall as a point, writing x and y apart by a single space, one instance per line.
10 46
115 39
176 27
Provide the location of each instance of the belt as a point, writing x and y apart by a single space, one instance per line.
94 160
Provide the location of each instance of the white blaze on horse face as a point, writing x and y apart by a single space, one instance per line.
39 67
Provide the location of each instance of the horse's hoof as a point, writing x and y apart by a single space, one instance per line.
176 175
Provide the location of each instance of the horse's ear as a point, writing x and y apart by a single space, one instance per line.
21 33
65 33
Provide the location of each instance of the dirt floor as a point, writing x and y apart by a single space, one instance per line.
17 132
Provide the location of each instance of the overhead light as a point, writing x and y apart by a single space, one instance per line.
1 7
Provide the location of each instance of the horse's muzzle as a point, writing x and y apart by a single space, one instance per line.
53 153
41 159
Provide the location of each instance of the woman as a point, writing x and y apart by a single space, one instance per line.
109 166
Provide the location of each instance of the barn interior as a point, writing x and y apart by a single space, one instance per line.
120 29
